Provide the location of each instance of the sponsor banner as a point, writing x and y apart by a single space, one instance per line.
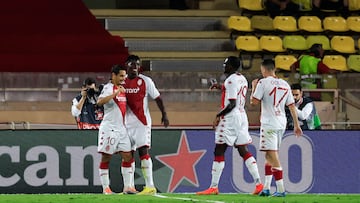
66 161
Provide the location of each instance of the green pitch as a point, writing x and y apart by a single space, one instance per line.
167 197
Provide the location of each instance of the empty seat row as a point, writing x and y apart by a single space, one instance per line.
337 62
257 5
291 43
290 24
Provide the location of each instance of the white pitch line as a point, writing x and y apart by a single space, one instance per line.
187 199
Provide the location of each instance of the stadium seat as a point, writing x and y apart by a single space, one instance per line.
310 24
285 23
239 23
295 42
247 43
337 62
284 62
353 23
271 43
354 5
321 39
260 22
251 5
353 62
335 24
343 44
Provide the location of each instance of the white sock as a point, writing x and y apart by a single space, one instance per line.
216 172
146 166
127 174
104 178
253 169
280 186
267 184
132 183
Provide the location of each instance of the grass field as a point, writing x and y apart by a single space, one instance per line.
167 197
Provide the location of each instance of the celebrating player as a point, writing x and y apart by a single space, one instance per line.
274 94
231 125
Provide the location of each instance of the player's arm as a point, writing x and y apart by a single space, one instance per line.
103 100
304 113
297 129
228 108
253 100
164 118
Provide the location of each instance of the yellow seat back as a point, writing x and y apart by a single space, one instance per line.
285 23
252 5
343 44
284 62
271 43
335 23
353 62
318 39
304 5
239 23
247 43
337 62
353 23
310 24
294 42
260 22
354 5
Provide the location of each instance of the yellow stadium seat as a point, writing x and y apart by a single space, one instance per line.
260 22
294 42
239 23
310 24
285 23
337 62
318 39
335 23
353 62
252 5
343 44
354 5
353 23
284 62
247 43
271 43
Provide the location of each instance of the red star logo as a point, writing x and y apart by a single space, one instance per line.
182 163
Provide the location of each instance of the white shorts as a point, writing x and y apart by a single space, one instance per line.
110 141
140 135
233 130
270 139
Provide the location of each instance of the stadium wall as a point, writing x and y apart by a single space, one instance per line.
66 161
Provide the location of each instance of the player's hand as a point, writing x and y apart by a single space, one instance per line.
216 122
214 86
84 91
297 131
121 89
165 120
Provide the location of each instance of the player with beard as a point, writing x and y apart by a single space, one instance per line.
138 120
231 126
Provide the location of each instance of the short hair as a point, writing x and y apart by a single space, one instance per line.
89 81
296 86
132 58
315 49
117 68
233 61
268 64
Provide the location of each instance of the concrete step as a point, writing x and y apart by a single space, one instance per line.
149 55
110 13
171 34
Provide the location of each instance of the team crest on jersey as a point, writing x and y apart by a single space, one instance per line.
139 82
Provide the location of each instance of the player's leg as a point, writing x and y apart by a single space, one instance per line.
147 171
104 173
127 172
251 165
217 169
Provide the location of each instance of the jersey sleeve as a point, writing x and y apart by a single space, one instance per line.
259 91
106 91
290 98
151 89
230 88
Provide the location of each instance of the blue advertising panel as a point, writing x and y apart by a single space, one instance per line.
66 161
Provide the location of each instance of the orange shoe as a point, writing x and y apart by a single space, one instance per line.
210 191
258 188
107 191
130 191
